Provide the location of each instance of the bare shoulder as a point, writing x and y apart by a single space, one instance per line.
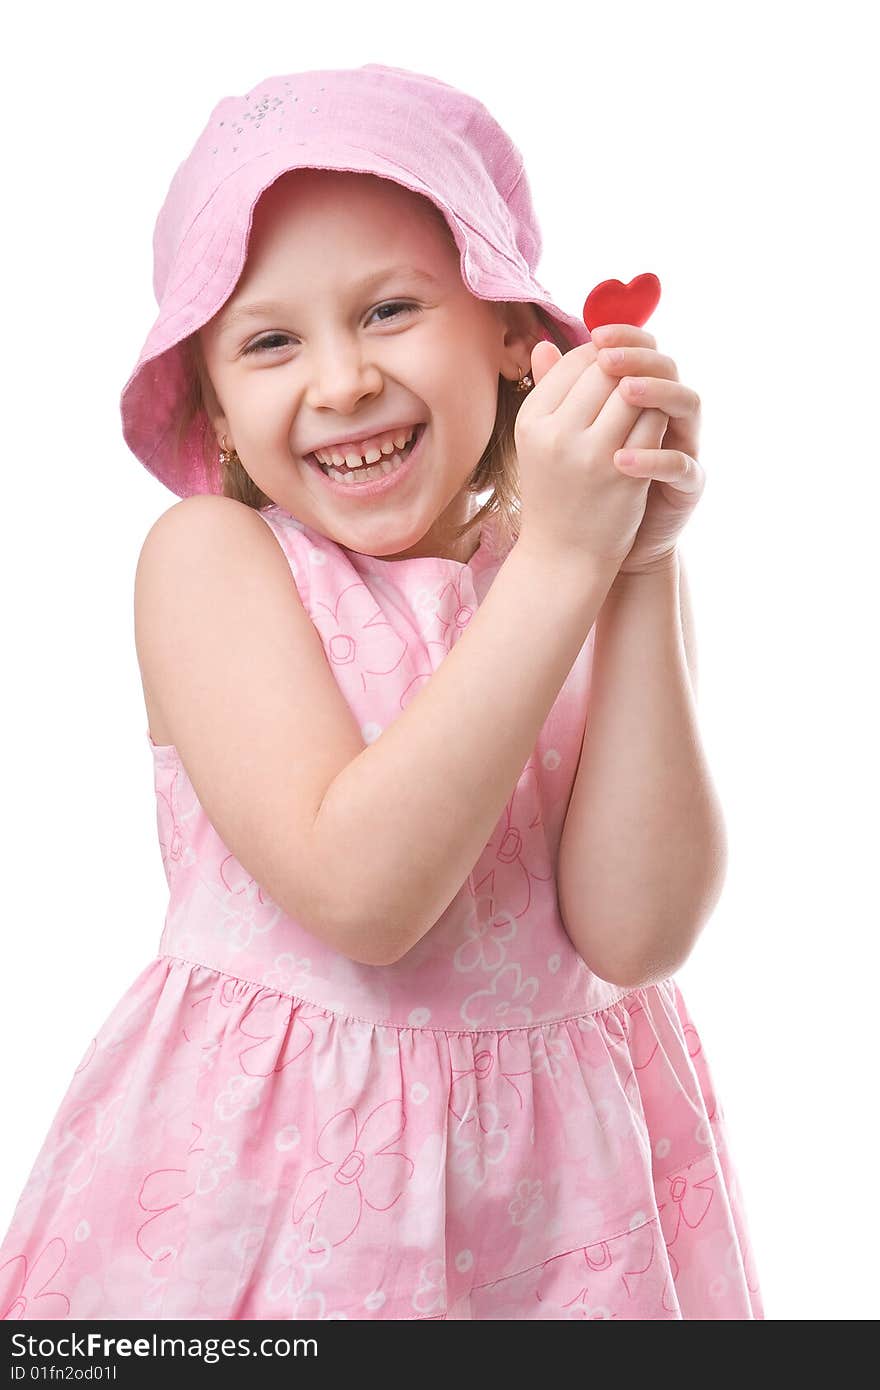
204 535
185 541
203 512
209 561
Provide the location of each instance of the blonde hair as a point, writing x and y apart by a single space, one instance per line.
497 470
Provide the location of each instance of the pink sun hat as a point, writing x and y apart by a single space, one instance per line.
405 126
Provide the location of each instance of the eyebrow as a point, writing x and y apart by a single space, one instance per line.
263 307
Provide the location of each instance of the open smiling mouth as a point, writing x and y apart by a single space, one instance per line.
371 479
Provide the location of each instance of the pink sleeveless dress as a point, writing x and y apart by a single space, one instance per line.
263 1128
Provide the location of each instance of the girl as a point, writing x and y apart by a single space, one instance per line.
412 1045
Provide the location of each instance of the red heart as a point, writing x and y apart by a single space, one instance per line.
614 302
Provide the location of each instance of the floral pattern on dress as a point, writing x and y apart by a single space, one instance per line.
263 1128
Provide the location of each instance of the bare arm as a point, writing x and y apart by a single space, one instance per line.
413 811
686 613
643 850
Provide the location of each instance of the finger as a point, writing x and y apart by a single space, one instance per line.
544 355
556 381
614 333
594 403
677 400
647 432
637 360
664 466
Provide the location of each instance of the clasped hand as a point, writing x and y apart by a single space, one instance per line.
649 379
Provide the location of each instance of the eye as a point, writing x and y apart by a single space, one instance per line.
263 344
397 304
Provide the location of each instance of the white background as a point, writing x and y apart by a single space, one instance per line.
731 150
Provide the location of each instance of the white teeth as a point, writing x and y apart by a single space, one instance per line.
339 458
387 465
364 474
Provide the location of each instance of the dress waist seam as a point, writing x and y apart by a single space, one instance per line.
407 1027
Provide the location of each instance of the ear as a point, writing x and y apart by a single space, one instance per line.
523 329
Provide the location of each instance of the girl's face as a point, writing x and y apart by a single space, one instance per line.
327 357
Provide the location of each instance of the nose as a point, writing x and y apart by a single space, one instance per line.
340 375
